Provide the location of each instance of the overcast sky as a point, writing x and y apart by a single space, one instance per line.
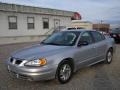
92 10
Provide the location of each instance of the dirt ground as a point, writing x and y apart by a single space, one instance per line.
98 77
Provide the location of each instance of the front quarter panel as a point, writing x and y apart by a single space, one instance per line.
62 55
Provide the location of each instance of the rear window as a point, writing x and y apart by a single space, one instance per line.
97 36
75 28
71 28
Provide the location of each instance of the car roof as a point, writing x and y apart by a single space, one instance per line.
79 30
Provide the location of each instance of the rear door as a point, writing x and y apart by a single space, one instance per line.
85 54
100 44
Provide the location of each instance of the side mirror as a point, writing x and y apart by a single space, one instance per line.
83 43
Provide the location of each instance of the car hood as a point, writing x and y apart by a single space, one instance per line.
37 51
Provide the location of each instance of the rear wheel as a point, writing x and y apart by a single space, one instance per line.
109 56
64 72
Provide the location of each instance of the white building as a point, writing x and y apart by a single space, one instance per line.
20 23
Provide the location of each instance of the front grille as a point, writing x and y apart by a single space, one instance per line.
11 60
15 61
24 77
20 76
18 62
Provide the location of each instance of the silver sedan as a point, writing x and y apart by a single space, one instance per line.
60 55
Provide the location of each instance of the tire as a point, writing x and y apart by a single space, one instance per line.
109 56
64 72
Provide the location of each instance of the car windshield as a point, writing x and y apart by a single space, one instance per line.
116 31
65 38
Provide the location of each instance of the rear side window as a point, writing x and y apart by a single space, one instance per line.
97 36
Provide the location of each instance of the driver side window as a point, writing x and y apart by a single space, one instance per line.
86 36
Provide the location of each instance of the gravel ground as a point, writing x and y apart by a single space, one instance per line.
98 77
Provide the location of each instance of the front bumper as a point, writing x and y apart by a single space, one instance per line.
32 73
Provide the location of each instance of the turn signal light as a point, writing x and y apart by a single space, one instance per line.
42 61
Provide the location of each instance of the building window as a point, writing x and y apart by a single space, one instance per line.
45 23
30 22
12 20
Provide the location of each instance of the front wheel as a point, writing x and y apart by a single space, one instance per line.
109 56
64 72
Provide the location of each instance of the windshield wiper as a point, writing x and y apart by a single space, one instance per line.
50 43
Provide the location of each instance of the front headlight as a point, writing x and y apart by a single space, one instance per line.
37 62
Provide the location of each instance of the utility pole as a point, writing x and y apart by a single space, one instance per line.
101 21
